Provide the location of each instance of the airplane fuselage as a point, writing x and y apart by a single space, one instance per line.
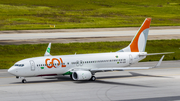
59 65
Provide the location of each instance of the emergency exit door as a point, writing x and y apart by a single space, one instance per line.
32 65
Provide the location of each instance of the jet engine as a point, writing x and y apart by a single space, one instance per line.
81 75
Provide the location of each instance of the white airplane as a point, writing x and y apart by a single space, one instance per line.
84 66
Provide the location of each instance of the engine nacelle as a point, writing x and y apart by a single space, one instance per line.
81 75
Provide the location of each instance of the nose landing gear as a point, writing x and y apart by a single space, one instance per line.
23 79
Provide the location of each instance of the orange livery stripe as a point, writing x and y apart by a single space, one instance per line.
134 44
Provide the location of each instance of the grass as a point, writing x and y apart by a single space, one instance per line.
13 53
40 14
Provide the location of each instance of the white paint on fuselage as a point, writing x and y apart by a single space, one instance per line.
97 60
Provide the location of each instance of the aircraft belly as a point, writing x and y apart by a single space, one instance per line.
51 71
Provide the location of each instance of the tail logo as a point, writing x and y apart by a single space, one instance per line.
48 50
136 43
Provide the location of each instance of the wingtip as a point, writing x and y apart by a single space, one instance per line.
159 63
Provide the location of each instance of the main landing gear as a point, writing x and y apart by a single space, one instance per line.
24 81
93 78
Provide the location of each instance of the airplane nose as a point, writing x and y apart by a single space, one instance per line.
12 70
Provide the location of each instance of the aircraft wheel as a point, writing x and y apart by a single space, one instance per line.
24 81
93 78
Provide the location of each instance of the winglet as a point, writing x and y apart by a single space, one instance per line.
47 53
159 63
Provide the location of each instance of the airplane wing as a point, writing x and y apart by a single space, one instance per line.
155 53
125 68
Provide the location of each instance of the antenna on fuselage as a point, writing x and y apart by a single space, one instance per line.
47 53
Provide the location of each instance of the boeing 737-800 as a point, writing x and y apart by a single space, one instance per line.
84 66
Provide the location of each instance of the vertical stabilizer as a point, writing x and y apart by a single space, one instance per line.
138 44
47 53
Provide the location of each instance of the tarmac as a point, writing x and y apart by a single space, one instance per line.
159 84
84 35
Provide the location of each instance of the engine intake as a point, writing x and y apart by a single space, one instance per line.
81 75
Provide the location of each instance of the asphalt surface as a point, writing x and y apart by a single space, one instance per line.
159 84
84 35
22 36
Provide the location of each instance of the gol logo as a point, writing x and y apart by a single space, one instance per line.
52 62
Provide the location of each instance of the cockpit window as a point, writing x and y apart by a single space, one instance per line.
19 65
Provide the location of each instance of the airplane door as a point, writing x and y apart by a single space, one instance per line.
130 59
77 63
32 65
81 62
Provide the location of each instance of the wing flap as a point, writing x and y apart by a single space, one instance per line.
155 53
125 68
117 69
